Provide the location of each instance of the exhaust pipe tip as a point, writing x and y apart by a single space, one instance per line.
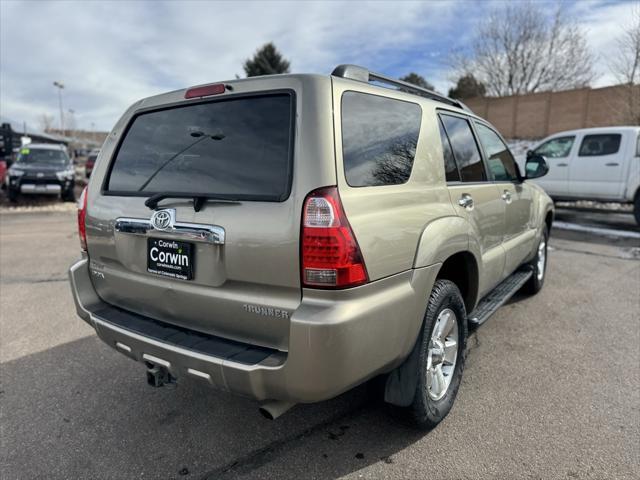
272 409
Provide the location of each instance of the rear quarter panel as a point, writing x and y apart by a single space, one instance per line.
388 221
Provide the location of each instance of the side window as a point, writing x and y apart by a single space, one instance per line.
450 167
601 144
501 162
465 149
379 138
638 146
556 147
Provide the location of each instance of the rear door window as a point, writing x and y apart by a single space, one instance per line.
379 139
465 149
239 148
556 147
501 163
450 167
601 144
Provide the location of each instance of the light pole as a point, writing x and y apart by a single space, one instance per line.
71 122
60 86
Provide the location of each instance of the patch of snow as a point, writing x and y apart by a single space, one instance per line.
607 232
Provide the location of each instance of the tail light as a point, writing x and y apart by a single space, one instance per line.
331 257
82 217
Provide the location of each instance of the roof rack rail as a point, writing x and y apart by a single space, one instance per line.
361 74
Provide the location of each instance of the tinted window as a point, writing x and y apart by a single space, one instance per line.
556 147
603 144
465 149
450 168
239 147
379 138
501 162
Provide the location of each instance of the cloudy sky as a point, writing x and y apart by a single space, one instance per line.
111 53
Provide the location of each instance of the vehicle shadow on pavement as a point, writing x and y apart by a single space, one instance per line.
81 410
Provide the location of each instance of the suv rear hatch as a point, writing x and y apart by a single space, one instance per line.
226 165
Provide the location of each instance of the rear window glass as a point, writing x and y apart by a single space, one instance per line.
240 148
379 138
596 145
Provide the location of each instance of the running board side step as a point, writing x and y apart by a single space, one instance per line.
499 296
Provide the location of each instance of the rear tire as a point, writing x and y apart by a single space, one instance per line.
12 194
440 361
636 208
539 265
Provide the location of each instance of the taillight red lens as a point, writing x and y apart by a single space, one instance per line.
82 217
331 257
205 91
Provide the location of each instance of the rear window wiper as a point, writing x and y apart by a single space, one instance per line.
198 200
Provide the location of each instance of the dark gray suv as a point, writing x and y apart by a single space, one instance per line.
42 169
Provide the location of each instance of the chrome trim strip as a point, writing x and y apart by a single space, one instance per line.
191 231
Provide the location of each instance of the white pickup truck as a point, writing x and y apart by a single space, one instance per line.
601 164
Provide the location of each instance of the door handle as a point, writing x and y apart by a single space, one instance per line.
612 164
506 196
562 165
466 201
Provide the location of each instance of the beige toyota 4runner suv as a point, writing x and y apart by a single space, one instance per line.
289 237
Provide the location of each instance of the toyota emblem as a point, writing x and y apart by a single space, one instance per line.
162 219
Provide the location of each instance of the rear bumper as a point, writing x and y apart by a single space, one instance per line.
338 339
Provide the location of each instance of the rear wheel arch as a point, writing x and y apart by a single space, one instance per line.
461 268
440 239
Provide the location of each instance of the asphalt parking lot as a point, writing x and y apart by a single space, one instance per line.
551 387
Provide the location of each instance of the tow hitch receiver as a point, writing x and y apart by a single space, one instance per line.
158 376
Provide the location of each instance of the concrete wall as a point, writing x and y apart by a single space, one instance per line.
537 115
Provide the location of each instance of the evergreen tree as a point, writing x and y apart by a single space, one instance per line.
266 61
467 87
417 80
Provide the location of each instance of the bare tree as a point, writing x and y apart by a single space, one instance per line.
45 122
625 66
520 49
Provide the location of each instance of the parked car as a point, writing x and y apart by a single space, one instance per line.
91 161
42 169
292 236
601 164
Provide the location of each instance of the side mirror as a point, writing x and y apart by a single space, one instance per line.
536 165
